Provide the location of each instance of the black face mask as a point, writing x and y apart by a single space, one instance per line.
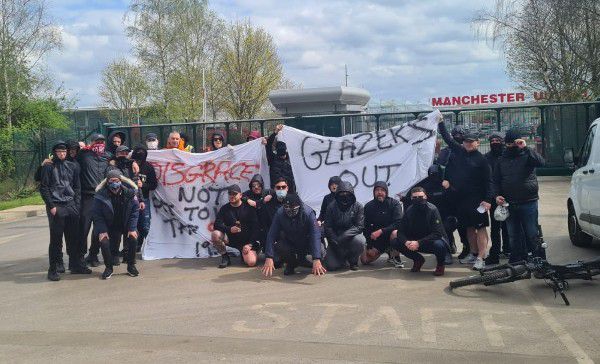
291 211
418 201
514 150
345 200
496 148
121 159
459 139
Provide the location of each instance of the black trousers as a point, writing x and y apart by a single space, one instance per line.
114 239
348 251
85 224
288 253
63 223
437 247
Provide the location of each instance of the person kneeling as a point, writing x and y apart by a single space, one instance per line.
297 233
421 230
115 214
236 225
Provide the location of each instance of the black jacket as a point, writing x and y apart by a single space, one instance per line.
384 215
92 169
279 167
514 176
493 158
110 147
341 225
329 198
60 185
262 211
246 215
103 214
421 223
147 173
471 178
302 232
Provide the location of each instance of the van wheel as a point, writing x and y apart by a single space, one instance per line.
577 236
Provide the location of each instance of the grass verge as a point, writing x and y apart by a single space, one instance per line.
17 202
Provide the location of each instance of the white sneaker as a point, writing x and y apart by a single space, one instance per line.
469 259
479 264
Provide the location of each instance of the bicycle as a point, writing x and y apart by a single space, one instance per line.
555 275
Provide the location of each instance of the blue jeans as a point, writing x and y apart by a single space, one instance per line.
144 221
522 226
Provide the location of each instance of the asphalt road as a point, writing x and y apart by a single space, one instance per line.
188 310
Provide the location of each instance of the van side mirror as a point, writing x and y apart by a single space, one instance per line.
569 158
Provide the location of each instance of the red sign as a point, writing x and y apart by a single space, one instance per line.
478 99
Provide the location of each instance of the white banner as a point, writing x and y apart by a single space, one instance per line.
191 189
399 156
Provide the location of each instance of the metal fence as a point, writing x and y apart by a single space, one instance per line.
548 128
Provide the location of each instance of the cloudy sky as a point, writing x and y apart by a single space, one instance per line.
402 50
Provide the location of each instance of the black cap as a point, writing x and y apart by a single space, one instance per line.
234 189
471 135
122 148
73 144
60 145
512 135
151 136
495 135
292 199
114 173
97 136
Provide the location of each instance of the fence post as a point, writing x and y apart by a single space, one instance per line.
543 129
498 122
262 127
377 122
194 127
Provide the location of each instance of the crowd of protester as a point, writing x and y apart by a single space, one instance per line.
106 186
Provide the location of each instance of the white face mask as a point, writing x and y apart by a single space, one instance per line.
152 145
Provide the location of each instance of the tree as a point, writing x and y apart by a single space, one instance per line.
124 88
550 45
26 36
250 69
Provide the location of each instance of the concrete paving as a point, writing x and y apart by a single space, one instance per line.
190 311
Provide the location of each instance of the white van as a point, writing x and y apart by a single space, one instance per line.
584 198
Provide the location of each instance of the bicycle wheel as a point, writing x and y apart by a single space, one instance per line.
478 279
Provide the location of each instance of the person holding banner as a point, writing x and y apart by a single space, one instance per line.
279 162
115 215
344 223
294 233
382 218
236 225
422 230
174 141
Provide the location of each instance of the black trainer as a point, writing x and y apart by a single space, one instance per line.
225 261
353 266
465 251
132 270
53 275
92 260
107 273
60 266
80 269
289 270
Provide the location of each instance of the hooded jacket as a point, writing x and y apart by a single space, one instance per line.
246 215
60 184
494 155
421 223
344 223
471 176
103 213
514 176
110 147
262 212
384 215
93 168
328 198
301 231
279 167
147 173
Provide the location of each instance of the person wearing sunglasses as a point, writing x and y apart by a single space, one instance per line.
421 231
237 226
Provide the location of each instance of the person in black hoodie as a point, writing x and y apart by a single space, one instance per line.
344 224
146 182
61 191
333 184
382 218
515 182
421 230
294 234
115 139
115 214
236 225
93 161
279 162
257 196
498 231
472 183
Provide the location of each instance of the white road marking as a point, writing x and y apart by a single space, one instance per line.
328 314
279 322
6 239
492 330
427 324
390 316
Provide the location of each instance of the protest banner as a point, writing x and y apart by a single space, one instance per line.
191 189
399 156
